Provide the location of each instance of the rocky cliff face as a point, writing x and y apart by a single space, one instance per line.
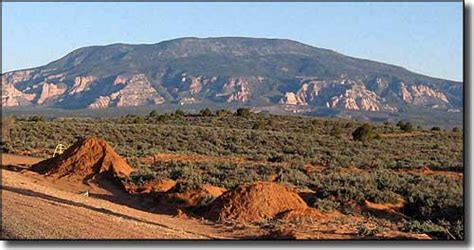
136 91
81 83
236 90
350 94
356 98
12 97
49 91
245 71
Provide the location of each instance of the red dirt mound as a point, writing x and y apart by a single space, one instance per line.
84 160
254 202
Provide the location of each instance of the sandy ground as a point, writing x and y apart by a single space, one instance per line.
31 211
33 208
9 159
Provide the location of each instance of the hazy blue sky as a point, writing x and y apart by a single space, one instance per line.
423 37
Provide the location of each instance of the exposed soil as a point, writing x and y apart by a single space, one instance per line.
85 159
18 160
386 210
385 206
254 202
33 211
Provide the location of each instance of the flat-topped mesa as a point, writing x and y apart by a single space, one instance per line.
228 71
86 159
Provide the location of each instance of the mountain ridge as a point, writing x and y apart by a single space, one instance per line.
253 72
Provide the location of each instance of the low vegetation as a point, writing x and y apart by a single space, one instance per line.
280 148
327 142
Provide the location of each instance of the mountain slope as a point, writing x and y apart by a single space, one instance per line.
245 71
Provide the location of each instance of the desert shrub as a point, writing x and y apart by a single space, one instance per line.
455 229
326 205
416 226
456 130
349 208
141 177
205 201
243 112
435 129
185 185
349 125
36 118
223 112
355 189
294 175
336 131
368 231
276 158
138 120
179 113
6 147
405 126
387 180
205 112
364 133
259 125
153 113
446 231
284 138
227 175
438 199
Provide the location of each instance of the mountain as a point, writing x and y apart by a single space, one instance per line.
283 74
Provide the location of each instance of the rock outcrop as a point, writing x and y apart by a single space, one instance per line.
49 91
356 98
236 90
81 84
137 91
291 98
196 85
12 97
341 93
273 73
